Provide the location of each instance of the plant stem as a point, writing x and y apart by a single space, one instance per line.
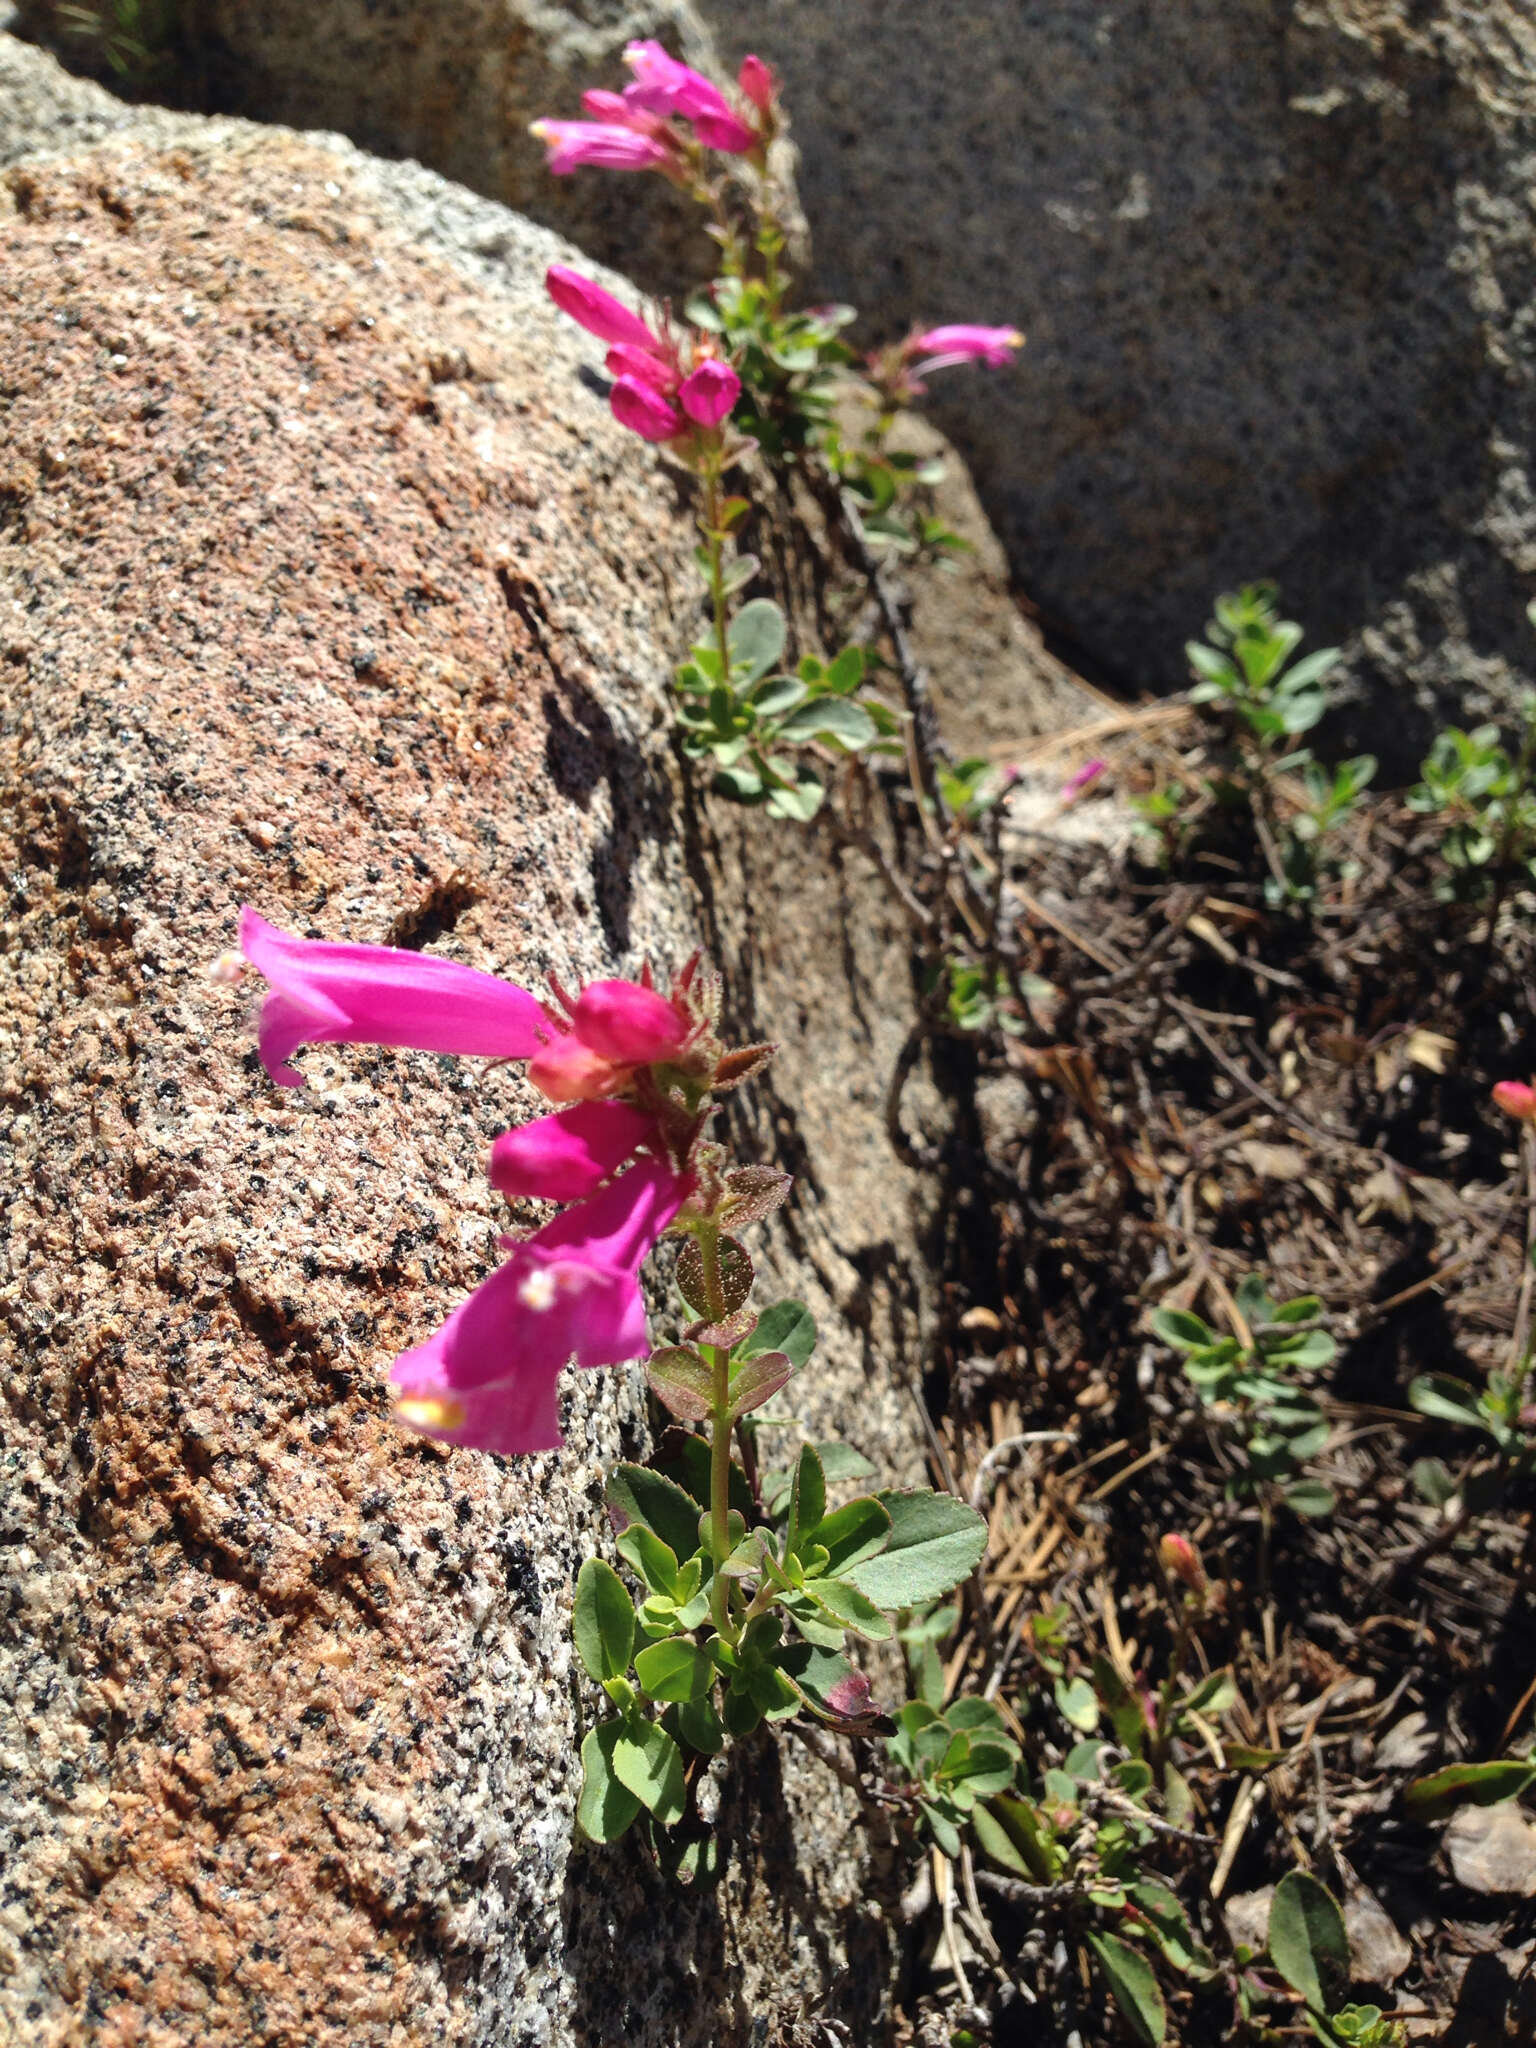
719 1358
1162 1733
714 547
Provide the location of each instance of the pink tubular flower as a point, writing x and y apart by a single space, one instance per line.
565 1157
663 85
758 82
710 392
574 143
1516 1099
380 995
487 1378
639 406
963 344
598 311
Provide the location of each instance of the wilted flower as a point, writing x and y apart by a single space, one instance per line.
963 344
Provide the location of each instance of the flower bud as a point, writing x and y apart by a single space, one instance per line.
642 408
1181 1560
758 82
1516 1099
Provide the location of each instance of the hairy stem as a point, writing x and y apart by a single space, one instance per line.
719 1360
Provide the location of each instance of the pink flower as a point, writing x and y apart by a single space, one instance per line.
710 392
639 406
624 359
963 344
664 86
630 1025
599 311
1516 1099
564 1157
487 1378
574 143
758 82
1081 779
380 995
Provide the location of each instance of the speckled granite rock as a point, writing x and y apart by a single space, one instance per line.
327 582
1276 260
452 83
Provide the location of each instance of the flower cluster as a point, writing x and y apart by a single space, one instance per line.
664 388
638 129
634 1069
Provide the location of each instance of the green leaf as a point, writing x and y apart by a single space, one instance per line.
1446 1400
936 1543
603 1622
756 639
606 1806
1133 1986
845 1603
681 1381
1127 1716
789 1327
834 718
1211 666
649 1763
1488 1784
757 1379
1078 1704
1307 1942
1185 1332
649 1497
776 694
1213 1695
675 1670
807 1499
699 1725
645 1553
1310 1499
771 1692
853 1533
847 671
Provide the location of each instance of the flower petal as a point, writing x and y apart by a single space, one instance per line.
627 1024
563 1157
381 995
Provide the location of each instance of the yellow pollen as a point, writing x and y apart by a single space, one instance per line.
426 1411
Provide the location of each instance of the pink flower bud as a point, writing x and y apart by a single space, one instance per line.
1081 779
628 1025
563 1157
710 392
1516 1099
567 1071
1181 1560
757 81
596 310
574 143
641 407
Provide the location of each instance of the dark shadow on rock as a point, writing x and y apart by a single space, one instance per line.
583 750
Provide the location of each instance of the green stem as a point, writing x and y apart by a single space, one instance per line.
719 1359
714 545
1162 1732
